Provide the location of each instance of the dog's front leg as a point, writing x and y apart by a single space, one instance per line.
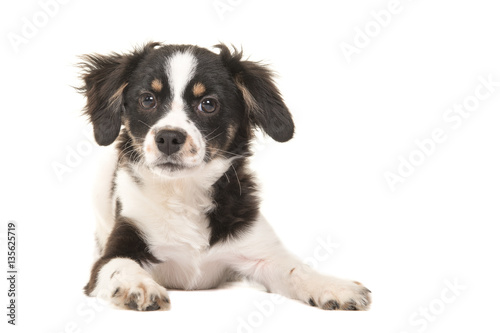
119 277
262 258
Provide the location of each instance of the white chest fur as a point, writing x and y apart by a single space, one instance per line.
171 214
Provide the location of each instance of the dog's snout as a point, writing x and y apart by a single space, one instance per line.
170 141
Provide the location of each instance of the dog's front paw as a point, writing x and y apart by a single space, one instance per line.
330 293
140 295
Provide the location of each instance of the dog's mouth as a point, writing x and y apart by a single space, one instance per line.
170 166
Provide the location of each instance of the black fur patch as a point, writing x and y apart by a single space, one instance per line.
125 241
237 204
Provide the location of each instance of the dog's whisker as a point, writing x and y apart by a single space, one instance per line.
144 123
230 153
237 178
214 137
210 132
208 135
130 153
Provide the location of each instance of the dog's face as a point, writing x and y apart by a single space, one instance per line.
181 106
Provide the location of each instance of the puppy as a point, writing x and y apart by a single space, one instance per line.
176 205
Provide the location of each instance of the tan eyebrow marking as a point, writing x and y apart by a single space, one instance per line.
199 89
156 85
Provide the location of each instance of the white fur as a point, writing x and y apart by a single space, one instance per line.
103 202
180 67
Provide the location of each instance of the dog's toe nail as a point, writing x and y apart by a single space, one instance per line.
153 307
330 305
350 305
132 305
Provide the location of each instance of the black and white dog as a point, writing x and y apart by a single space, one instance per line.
177 206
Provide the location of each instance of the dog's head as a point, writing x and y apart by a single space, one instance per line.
181 106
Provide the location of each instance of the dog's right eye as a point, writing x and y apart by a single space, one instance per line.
147 101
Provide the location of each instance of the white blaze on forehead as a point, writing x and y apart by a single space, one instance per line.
180 70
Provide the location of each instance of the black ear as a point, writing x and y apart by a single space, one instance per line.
105 78
262 98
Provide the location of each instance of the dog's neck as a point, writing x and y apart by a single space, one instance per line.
187 184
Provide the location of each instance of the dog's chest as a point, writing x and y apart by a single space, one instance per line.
171 216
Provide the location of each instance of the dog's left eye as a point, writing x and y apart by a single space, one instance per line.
147 101
208 105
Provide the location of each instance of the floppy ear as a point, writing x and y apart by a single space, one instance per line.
105 78
263 100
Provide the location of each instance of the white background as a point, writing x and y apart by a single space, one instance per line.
354 121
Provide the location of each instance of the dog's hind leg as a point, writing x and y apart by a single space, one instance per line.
260 256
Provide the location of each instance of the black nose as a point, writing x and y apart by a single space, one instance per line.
170 141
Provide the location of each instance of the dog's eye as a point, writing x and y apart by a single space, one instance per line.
208 105
147 101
